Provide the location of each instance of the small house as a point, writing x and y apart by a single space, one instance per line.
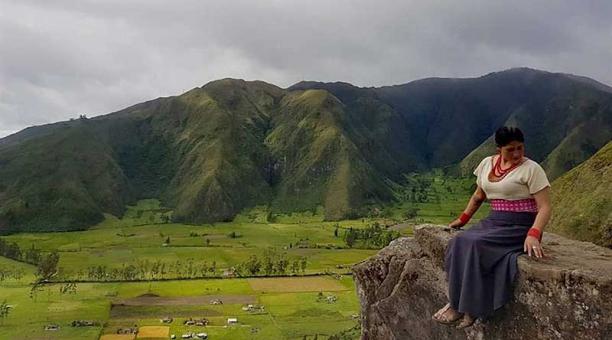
83 323
228 273
201 322
129 330
52 327
232 321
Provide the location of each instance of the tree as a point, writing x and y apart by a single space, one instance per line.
33 255
204 269
295 266
253 265
36 287
268 263
167 240
68 288
5 309
12 251
47 267
411 213
303 263
282 264
350 237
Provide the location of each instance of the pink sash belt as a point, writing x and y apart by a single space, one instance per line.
528 205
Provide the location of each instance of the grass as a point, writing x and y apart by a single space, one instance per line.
586 216
107 244
80 250
292 305
290 284
92 302
439 199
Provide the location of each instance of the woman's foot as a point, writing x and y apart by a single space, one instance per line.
446 315
467 321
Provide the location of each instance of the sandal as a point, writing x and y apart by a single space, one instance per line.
467 321
441 310
441 317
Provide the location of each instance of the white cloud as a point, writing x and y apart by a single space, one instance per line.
59 59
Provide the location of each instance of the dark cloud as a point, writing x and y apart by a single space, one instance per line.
59 59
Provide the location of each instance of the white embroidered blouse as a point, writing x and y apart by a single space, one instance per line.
520 183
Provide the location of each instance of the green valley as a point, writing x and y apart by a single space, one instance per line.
319 299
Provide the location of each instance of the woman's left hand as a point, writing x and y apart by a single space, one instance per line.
533 246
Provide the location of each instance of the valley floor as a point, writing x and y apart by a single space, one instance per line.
132 272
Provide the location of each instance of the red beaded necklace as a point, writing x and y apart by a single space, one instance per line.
499 172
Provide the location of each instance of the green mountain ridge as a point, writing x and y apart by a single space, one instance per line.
582 207
231 144
327 166
562 128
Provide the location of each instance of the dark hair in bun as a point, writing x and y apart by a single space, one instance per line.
506 134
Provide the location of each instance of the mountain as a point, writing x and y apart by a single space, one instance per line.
565 120
582 205
202 153
232 144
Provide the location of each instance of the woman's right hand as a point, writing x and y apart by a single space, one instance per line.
456 224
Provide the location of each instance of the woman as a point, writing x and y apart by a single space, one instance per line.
480 263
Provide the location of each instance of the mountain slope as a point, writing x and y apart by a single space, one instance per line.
564 121
64 181
582 205
318 159
215 146
231 144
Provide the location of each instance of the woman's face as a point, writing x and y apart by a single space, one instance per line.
513 152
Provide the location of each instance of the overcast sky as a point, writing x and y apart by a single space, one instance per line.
59 59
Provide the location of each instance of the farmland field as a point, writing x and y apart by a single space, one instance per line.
131 272
287 314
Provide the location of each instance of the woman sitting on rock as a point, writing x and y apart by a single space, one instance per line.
480 263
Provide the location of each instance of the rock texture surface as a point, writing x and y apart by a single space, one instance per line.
567 295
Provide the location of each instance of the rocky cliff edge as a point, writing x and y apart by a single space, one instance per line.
567 295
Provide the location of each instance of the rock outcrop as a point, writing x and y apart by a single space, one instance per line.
567 295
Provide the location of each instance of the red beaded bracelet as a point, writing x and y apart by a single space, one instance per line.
535 232
464 218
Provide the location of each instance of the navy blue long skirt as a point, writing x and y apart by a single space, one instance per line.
480 263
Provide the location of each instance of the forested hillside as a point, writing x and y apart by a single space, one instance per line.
231 144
